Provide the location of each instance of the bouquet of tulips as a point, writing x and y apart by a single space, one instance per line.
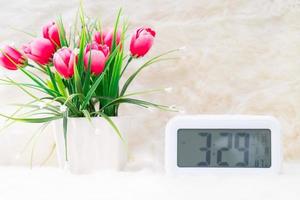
78 73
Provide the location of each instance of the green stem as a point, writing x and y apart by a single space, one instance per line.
40 69
129 60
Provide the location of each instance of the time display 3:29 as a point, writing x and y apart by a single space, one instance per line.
224 148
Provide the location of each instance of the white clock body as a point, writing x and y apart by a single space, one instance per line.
220 122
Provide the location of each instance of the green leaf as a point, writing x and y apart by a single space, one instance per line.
38 82
33 120
113 125
52 151
9 122
22 31
39 130
138 102
27 85
77 80
65 127
50 84
44 126
91 91
116 28
50 74
81 51
60 84
86 83
22 88
62 33
86 113
151 61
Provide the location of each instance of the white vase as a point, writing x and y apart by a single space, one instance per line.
91 146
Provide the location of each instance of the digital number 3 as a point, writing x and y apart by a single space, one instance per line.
206 149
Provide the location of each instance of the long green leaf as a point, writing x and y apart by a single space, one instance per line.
91 91
62 33
151 61
116 29
87 80
38 82
60 85
65 128
87 115
52 78
52 151
22 88
35 142
32 120
138 102
113 125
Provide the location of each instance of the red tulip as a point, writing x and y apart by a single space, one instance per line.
64 60
39 50
50 32
141 41
106 37
96 55
12 59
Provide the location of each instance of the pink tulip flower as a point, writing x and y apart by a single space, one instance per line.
106 37
141 41
96 55
39 50
50 32
12 59
64 60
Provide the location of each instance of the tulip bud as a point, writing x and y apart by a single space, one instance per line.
96 55
141 42
50 32
64 60
12 59
106 37
39 50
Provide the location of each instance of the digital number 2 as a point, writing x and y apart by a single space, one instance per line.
206 150
224 149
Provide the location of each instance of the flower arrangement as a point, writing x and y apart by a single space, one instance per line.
78 73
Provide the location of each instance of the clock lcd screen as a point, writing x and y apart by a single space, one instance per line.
231 148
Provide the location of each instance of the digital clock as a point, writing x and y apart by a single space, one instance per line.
222 143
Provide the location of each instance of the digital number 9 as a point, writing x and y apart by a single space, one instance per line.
244 148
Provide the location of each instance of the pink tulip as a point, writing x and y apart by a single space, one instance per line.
12 59
106 37
50 32
96 55
64 60
39 50
141 41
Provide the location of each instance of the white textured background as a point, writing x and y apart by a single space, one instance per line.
241 57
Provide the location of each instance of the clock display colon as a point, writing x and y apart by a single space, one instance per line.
241 148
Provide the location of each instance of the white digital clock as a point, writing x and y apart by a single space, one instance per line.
223 143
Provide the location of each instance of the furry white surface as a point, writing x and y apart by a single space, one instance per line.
50 183
241 57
